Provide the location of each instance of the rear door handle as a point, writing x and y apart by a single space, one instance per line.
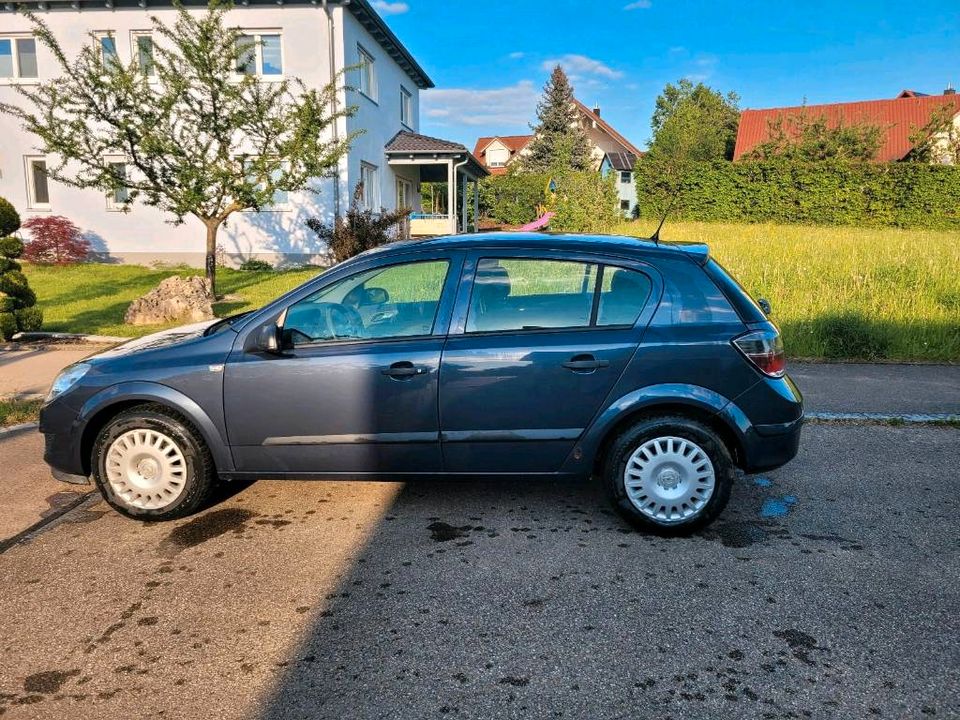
403 369
584 363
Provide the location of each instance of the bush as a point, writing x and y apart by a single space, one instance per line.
585 202
9 219
56 241
360 229
11 247
29 319
808 193
256 266
8 325
514 198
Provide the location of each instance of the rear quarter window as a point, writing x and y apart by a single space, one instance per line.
735 292
690 297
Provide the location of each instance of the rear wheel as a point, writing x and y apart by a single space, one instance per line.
669 475
151 464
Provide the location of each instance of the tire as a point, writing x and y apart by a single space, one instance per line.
150 463
680 481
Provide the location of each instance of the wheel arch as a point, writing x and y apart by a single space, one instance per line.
107 404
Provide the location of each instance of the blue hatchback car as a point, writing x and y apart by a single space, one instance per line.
642 364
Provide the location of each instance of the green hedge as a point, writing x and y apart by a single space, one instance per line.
825 193
512 199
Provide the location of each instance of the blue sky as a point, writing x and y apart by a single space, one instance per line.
489 59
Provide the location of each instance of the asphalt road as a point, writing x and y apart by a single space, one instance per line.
828 589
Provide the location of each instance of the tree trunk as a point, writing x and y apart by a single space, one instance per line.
211 262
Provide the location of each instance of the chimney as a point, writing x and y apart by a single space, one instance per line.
596 110
949 90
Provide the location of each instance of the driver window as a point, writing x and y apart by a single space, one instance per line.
386 302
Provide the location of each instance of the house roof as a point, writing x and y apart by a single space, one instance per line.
606 127
622 160
898 118
361 9
515 143
413 144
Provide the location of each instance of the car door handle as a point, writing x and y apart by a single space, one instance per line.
584 363
403 369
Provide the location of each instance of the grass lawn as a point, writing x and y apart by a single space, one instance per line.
843 292
836 292
14 412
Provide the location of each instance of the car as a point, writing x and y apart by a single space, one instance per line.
640 363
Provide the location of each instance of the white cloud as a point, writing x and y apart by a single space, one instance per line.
511 105
582 65
638 5
516 55
390 8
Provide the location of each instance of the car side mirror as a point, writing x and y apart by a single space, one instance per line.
268 338
765 306
376 296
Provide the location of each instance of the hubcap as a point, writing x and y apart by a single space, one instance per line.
145 469
669 479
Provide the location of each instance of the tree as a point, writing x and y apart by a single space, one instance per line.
54 241
205 138
560 142
585 202
812 139
692 123
361 229
17 300
938 140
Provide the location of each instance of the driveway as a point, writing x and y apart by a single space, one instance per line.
829 588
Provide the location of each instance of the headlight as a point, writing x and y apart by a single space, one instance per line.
67 379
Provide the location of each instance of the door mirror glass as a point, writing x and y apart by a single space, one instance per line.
268 338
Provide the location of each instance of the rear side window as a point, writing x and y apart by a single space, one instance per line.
512 294
735 292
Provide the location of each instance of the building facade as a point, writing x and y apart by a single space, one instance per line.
311 41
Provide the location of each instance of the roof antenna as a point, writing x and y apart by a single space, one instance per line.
656 235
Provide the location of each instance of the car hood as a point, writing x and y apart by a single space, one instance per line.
154 341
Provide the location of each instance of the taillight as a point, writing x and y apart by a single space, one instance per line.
764 348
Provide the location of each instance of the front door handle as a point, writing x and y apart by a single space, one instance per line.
403 369
584 363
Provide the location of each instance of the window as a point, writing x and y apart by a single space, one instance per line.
368 73
260 54
531 295
378 304
18 58
623 293
626 176
108 50
404 193
118 199
625 205
38 192
497 156
406 107
522 294
143 52
370 178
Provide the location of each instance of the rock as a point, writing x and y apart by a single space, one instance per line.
174 299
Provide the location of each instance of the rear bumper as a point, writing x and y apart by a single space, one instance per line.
767 447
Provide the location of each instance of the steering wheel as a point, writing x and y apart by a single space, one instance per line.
342 321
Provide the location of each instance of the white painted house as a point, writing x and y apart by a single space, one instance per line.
308 39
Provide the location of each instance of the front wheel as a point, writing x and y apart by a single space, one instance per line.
669 475
151 464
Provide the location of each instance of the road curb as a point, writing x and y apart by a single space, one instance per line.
13 429
873 418
88 498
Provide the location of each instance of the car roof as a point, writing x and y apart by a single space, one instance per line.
612 244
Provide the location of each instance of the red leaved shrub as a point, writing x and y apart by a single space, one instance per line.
54 241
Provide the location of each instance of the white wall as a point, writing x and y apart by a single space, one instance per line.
145 234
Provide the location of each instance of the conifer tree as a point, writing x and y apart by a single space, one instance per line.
560 142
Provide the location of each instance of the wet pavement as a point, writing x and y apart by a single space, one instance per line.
829 588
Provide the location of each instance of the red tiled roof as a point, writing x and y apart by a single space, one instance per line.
898 118
515 143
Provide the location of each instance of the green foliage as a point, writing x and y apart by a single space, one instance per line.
8 325
8 264
692 123
9 218
254 265
939 139
848 335
11 247
585 202
513 199
805 139
29 319
361 229
823 193
560 142
197 138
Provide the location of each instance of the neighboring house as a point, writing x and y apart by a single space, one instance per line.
306 39
610 150
898 118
